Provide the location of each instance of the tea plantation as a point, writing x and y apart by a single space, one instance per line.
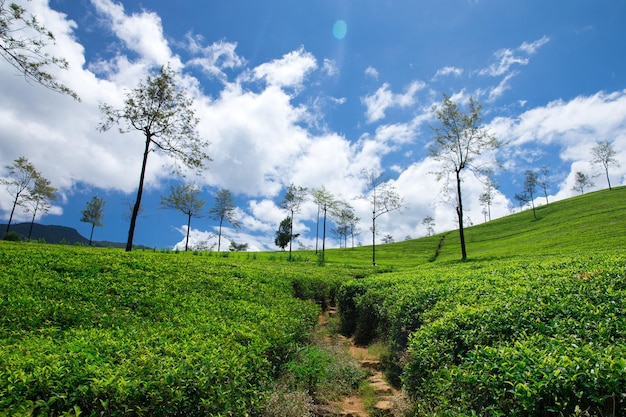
532 324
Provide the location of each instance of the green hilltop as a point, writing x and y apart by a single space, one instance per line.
595 221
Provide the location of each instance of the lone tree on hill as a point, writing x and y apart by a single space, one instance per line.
224 210
292 202
23 41
163 113
186 199
22 174
38 199
429 222
528 195
382 196
604 154
582 182
94 213
459 139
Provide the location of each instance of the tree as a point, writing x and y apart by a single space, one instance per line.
458 140
582 181
604 154
530 185
383 198
346 221
38 199
163 113
325 201
388 238
544 182
284 235
94 213
429 222
21 175
292 202
237 247
23 41
186 199
486 198
224 210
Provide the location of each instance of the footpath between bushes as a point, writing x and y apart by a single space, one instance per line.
375 397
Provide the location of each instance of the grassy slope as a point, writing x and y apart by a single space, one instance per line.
594 221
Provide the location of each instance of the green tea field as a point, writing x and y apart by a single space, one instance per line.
532 324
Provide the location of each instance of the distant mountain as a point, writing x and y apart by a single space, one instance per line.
56 234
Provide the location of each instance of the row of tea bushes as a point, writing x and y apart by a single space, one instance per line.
104 332
512 337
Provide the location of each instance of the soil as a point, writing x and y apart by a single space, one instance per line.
354 406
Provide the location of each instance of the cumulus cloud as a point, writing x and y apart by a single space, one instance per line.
384 99
214 58
288 71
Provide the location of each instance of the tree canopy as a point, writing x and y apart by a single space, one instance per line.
163 113
23 42
459 140
93 213
186 199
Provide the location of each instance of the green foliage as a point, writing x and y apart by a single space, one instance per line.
144 333
509 337
12 237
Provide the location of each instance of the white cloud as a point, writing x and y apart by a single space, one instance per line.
288 71
371 72
384 98
214 58
330 67
141 33
457 72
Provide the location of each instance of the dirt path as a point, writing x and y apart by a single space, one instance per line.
383 393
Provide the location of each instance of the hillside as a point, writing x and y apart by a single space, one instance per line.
58 234
593 221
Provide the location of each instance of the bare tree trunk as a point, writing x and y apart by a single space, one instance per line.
12 211
607 177
324 235
91 235
373 238
459 212
30 231
188 227
219 234
133 218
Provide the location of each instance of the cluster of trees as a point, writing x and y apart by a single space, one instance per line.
603 155
379 193
29 189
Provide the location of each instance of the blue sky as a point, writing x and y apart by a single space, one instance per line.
311 93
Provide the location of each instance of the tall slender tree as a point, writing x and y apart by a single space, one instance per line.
224 210
382 196
39 197
93 213
163 113
22 175
459 139
23 44
325 201
530 185
292 202
604 155
429 222
186 199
